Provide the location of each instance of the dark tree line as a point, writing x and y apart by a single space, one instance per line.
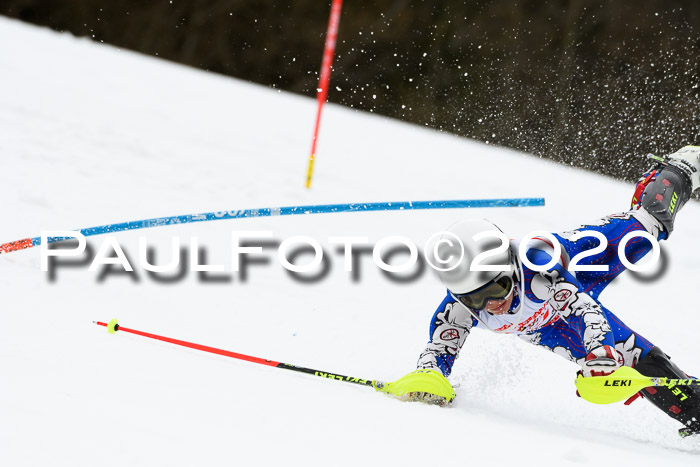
593 83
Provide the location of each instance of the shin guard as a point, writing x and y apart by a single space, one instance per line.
666 194
681 403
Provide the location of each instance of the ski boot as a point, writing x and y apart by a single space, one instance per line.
681 403
664 190
688 160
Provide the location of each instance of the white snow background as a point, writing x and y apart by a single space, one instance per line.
92 135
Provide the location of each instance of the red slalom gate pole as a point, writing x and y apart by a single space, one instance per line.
113 327
328 52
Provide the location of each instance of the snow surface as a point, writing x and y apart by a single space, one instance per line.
91 135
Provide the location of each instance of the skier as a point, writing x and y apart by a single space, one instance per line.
557 306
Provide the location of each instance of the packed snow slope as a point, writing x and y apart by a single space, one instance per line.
91 135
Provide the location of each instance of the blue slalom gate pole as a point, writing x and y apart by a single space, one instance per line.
282 211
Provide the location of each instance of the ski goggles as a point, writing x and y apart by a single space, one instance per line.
497 289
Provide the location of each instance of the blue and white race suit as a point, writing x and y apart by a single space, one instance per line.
560 309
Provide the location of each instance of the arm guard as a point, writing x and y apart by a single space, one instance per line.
449 329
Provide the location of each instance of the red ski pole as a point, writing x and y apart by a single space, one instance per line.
113 327
421 381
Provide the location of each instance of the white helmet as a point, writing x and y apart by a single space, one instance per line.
473 287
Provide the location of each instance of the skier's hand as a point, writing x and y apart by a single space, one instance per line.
427 398
601 361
